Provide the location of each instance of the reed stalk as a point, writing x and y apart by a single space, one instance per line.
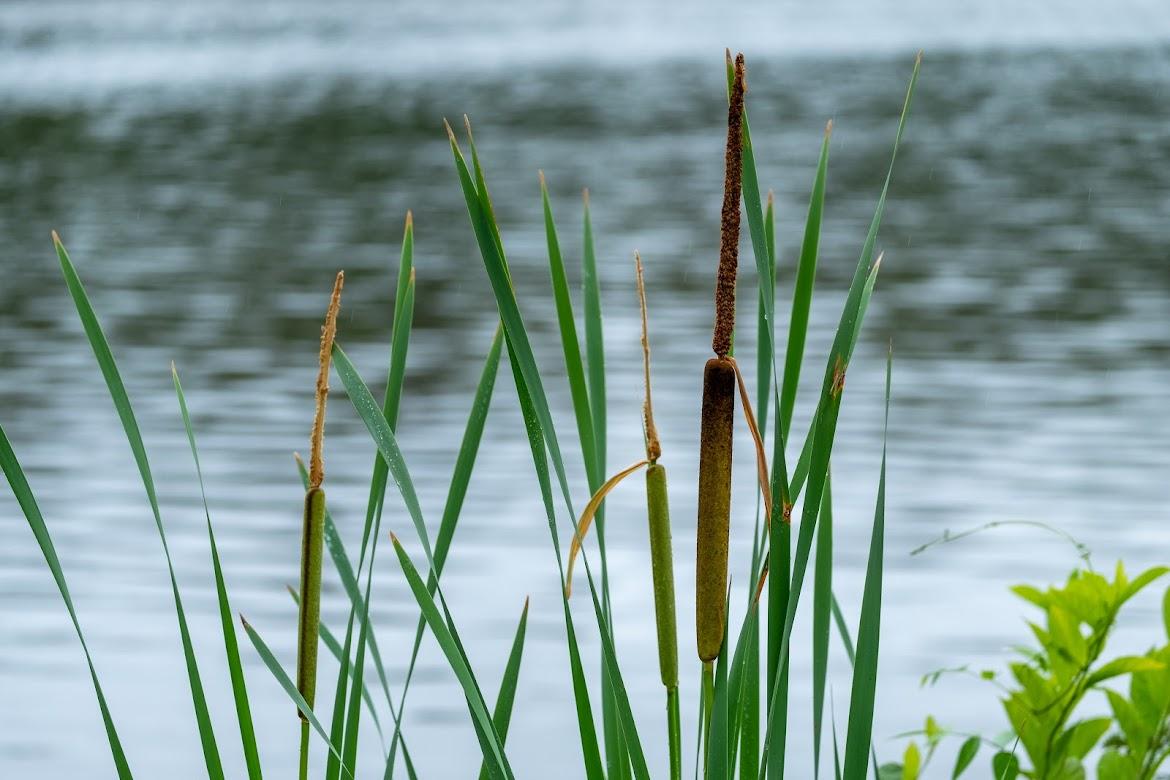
718 411
661 557
313 532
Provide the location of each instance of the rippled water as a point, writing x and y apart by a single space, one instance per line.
211 169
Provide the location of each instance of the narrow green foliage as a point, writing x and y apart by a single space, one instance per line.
231 645
489 739
541 432
117 390
574 365
861 701
456 493
329 639
506 698
28 504
370 414
587 432
802 290
289 687
822 598
824 426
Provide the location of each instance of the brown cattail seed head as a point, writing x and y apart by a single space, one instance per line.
714 505
729 221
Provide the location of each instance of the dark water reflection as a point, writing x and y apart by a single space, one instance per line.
1025 290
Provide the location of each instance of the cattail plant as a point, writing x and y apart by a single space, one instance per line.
661 557
313 531
718 411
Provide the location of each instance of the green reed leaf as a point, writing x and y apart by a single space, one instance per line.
32 512
227 624
117 390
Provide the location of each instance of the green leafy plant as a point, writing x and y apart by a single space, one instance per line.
1052 694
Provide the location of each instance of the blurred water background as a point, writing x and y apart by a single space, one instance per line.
211 164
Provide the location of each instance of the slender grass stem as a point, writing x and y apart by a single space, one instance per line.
304 773
708 709
674 733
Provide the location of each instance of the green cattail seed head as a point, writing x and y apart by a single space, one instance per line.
308 624
662 570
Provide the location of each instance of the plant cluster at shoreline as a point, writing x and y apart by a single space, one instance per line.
743 654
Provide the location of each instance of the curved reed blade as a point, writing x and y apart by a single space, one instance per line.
587 515
32 512
456 493
289 687
228 626
802 289
493 749
543 442
502 712
329 639
824 426
117 390
861 701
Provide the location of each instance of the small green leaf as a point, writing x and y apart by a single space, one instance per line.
1005 766
911 762
1125 665
967 753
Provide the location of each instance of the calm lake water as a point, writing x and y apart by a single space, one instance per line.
211 167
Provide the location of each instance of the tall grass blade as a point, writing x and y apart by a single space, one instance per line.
540 427
506 699
493 749
329 639
289 687
28 504
591 753
594 343
822 596
387 444
825 422
574 365
231 645
370 414
615 751
861 701
109 369
456 493
802 290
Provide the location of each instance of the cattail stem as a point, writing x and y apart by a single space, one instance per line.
674 733
708 711
718 417
304 772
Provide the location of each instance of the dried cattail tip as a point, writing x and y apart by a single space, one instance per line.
729 221
714 504
328 333
653 447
